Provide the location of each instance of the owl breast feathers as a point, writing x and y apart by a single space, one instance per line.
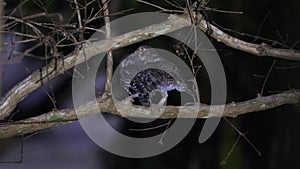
144 71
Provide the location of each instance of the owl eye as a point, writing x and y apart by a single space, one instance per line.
143 48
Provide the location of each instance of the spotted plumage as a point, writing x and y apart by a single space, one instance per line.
144 71
148 80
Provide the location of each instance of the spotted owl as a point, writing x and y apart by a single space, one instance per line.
144 71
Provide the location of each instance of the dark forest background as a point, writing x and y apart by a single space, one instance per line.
273 132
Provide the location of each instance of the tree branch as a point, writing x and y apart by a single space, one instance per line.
106 104
255 49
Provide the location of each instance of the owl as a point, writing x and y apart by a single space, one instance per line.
145 70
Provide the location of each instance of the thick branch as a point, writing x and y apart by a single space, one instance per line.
255 49
106 104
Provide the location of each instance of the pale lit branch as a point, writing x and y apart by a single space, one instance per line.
255 49
106 104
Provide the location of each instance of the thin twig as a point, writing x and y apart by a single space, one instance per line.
243 135
267 77
78 14
222 11
261 25
160 141
189 11
158 7
110 62
35 29
152 128
224 161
